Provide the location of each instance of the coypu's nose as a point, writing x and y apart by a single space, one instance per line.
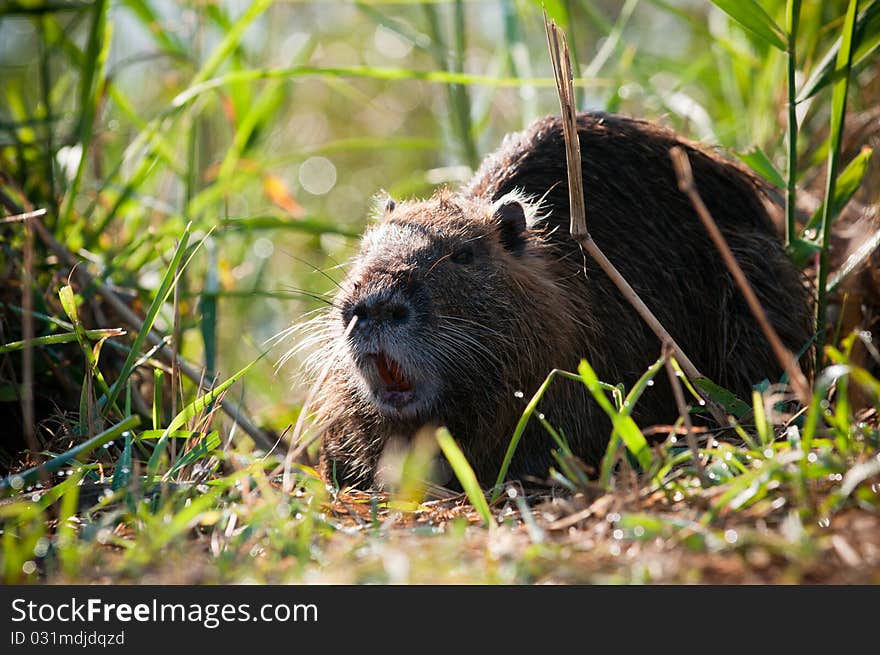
379 308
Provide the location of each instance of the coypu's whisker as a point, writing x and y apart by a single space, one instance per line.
314 268
318 337
294 453
462 339
315 296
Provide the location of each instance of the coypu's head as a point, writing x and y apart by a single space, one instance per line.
422 290
447 297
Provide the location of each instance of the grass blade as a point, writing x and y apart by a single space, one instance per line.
752 16
18 481
865 41
122 472
189 412
623 424
521 427
465 474
91 84
758 161
838 114
162 294
64 337
848 182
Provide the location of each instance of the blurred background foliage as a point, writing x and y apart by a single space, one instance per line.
274 125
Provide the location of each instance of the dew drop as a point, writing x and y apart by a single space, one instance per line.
41 547
518 394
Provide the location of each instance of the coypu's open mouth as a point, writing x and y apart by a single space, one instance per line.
391 375
396 389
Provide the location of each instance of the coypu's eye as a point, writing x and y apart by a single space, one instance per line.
462 255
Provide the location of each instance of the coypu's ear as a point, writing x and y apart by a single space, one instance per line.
511 217
389 205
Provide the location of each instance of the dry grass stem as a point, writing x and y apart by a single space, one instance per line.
559 56
684 412
785 357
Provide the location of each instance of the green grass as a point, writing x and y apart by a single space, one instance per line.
172 152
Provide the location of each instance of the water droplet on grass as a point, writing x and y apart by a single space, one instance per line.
730 536
41 547
518 394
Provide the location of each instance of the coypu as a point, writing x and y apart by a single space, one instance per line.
465 301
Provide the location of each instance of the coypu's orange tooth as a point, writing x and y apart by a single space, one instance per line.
384 369
390 372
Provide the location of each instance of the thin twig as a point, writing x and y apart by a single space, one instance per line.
559 56
127 315
26 216
785 357
684 412
28 334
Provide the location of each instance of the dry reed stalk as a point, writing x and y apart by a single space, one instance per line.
559 56
683 411
785 357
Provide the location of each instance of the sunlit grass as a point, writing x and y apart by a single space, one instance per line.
172 153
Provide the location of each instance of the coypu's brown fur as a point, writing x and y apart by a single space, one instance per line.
465 301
